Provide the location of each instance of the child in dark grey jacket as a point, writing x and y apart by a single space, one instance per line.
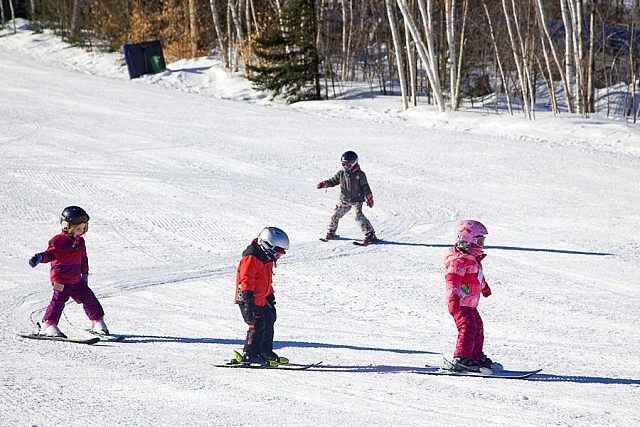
354 191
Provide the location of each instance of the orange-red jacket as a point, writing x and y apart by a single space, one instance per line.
255 273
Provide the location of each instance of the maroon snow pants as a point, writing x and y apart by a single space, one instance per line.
81 293
470 333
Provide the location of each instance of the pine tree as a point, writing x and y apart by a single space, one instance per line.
288 60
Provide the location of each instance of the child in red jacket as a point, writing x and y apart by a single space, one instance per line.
465 283
254 294
67 254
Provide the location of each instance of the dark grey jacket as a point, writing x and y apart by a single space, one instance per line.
353 186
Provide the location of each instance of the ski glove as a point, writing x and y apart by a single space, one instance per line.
35 260
323 184
370 200
271 299
249 310
486 291
85 278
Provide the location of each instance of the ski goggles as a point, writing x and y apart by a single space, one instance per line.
79 220
347 164
279 250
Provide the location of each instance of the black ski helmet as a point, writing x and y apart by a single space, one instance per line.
349 157
73 215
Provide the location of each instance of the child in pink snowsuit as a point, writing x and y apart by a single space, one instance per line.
465 282
67 254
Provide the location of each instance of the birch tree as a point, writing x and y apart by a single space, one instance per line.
215 16
425 47
395 35
519 57
193 27
554 52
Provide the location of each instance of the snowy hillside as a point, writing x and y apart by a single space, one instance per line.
179 171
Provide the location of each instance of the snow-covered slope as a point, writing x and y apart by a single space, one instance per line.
179 171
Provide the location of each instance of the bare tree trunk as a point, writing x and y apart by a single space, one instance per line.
432 64
425 48
634 110
454 60
393 26
218 29
564 77
450 11
13 16
518 57
568 53
1 14
498 60
575 13
590 63
347 25
236 20
413 72
76 17
193 27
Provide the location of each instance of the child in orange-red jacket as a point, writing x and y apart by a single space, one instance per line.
254 294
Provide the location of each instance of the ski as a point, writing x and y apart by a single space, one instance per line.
89 341
324 239
496 372
362 243
109 337
237 362
283 367
519 375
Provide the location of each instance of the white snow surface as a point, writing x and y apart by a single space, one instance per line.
180 170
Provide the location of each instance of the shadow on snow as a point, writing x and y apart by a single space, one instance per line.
502 248
583 380
141 339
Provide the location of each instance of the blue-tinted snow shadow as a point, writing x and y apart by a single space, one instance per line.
194 70
382 369
143 339
501 248
583 380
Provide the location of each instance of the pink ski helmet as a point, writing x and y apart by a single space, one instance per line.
468 230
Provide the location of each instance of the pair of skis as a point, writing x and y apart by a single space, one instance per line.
89 341
496 371
237 362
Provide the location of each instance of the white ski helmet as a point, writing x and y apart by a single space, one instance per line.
273 240
468 230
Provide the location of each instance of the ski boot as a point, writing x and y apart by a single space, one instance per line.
460 364
51 331
370 237
98 327
274 359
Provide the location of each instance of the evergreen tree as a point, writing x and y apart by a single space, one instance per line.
288 60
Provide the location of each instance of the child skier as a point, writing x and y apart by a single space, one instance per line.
465 283
254 294
69 274
354 190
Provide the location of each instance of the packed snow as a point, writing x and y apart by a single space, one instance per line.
180 170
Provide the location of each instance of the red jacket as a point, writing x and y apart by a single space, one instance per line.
68 258
254 273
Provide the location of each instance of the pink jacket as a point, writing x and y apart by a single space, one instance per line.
464 278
